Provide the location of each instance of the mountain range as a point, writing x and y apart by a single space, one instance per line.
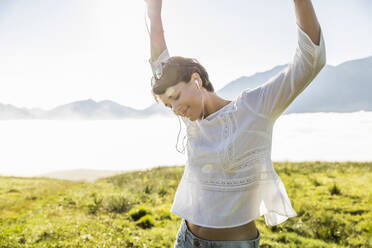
343 88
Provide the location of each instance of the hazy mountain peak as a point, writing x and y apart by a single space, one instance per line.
343 88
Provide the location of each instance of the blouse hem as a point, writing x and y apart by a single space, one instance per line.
236 225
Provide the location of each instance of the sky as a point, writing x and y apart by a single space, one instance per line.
56 52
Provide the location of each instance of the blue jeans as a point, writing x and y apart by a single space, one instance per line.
185 239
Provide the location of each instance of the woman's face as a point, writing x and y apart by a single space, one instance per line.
184 99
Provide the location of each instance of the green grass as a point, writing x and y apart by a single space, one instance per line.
333 202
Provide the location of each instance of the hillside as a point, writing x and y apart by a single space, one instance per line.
333 202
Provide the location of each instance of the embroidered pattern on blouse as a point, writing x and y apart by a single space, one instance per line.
226 136
250 156
230 125
237 184
238 176
235 174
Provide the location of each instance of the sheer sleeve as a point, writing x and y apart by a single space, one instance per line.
270 99
156 63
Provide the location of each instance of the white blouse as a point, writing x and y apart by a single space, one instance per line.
229 178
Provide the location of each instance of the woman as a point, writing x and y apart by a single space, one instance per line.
229 179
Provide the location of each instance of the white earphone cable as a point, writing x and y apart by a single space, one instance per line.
183 150
147 27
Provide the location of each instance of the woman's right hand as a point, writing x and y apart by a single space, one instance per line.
153 8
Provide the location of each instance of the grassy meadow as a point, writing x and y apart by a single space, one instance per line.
333 202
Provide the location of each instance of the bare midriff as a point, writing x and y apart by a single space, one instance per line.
244 232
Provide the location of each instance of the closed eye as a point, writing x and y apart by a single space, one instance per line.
178 96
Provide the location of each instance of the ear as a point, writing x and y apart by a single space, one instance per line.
196 76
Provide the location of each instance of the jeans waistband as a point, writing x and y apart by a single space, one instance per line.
198 242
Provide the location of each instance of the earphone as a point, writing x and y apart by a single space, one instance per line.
196 81
183 151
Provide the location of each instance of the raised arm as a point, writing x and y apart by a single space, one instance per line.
270 99
306 19
157 40
159 51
